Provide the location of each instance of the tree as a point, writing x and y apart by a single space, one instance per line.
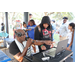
60 15
47 14
13 16
63 14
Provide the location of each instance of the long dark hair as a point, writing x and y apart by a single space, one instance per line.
72 24
33 22
47 20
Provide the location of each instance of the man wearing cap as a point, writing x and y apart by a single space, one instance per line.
63 31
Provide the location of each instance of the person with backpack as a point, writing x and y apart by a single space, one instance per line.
44 32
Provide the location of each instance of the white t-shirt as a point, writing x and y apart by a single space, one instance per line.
69 35
63 31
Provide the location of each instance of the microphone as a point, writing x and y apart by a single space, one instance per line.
26 38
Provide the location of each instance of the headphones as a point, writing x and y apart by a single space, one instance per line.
19 34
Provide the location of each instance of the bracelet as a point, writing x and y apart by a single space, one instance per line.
41 45
33 41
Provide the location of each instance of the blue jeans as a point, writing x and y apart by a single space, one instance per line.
53 36
70 47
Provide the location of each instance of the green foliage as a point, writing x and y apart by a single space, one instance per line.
54 15
60 15
37 15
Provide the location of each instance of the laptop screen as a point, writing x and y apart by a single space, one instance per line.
61 46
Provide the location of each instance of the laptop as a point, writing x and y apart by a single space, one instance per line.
61 47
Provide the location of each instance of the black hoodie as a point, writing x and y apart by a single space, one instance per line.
44 34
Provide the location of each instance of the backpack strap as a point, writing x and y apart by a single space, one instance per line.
39 28
51 32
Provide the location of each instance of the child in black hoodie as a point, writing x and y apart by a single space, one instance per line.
44 32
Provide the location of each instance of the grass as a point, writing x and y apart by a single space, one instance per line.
56 37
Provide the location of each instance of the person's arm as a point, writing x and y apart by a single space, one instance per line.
27 30
28 44
41 42
35 42
34 48
20 57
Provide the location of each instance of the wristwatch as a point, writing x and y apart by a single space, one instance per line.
33 41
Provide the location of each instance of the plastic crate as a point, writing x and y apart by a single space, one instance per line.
4 57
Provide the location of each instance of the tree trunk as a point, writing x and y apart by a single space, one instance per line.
12 17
